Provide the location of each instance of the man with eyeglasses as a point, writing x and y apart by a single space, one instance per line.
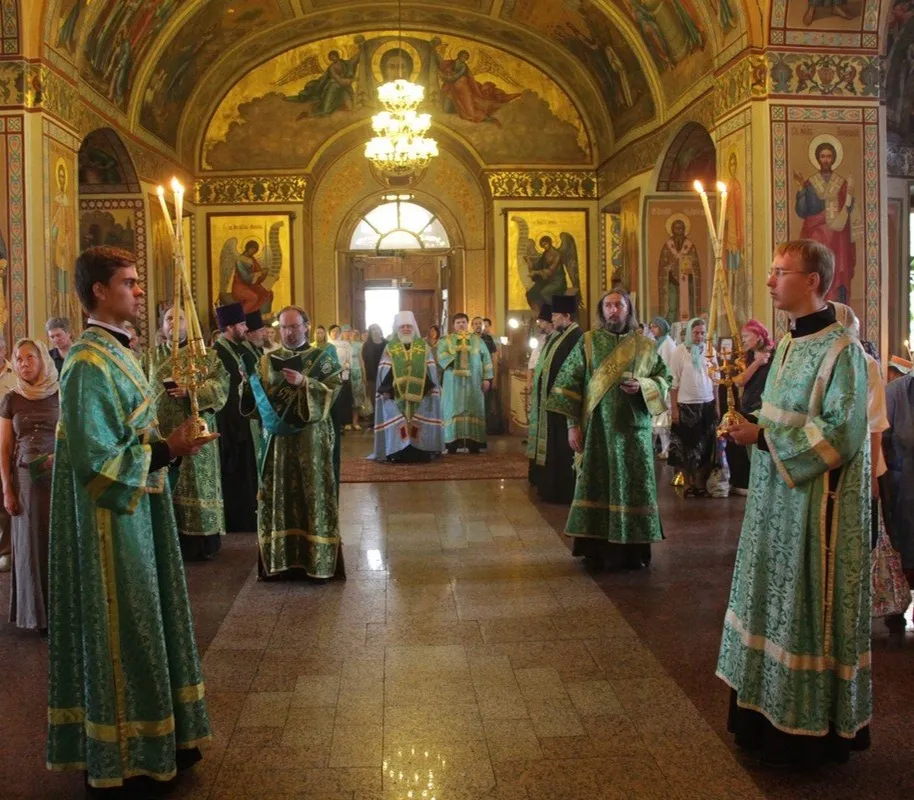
796 641
292 392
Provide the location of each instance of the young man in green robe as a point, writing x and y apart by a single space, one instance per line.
610 387
535 388
292 393
467 366
196 483
125 697
795 649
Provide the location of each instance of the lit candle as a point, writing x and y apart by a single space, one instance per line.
704 202
722 207
178 189
165 212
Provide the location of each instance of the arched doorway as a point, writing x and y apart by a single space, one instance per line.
398 261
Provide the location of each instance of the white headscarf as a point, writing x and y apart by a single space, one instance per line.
845 316
406 318
46 383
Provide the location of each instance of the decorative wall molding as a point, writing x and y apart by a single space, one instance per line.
12 129
745 80
823 75
250 189
9 27
568 184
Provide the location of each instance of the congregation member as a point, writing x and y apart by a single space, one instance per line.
898 444
467 366
434 334
8 382
694 410
660 330
196 483
795 649
345 411
757 347
482 327
28 419
534 394
292 392
126 698
238 447
609 388
408 426
360 405
60 335
553 457
371 354
320 337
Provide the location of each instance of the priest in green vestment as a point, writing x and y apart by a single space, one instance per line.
795 649
297 514
467 367
534 388
610 388
196 482
255 338
125 697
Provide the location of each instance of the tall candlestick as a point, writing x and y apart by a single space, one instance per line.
721 208
165 212
178 189
704 202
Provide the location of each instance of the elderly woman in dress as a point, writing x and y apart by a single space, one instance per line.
28 419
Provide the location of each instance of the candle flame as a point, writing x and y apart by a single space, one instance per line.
721 187
176 186
698 187
160 191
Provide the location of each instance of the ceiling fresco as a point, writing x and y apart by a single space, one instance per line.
505 108
169 63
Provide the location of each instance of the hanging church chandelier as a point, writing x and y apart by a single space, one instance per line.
400 145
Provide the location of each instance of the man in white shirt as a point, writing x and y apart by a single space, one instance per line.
7 383
694 410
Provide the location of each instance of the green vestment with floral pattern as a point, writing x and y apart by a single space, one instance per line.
796 639
197 493
615 496
297 510
125 685
466 363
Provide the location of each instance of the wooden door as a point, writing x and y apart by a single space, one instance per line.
357 302
424 304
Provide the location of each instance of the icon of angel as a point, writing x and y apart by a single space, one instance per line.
551 270
247 274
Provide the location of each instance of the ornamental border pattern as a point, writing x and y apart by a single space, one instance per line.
251 189
868 118
9 27
865 37
12 129
138 207
566 184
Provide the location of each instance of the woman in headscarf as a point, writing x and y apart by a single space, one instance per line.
660 328
695 410
757 348
28 420
320 337
371 354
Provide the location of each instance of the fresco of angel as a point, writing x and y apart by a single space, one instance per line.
246 275
551 270
333 91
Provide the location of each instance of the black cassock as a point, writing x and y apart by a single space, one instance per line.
555 479
236 444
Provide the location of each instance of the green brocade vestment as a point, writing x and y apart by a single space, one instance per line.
297 510
466 363
125 685
796 638
615 496
197 494
536 401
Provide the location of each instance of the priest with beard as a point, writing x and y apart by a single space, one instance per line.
292 392
553 457
408 427
609 388
236 447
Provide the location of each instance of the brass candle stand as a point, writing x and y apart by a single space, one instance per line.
189 368
733 361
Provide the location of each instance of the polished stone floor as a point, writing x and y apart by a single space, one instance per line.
469 656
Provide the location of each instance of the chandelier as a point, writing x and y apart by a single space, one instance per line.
400 145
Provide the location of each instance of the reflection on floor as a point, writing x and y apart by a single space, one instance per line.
468 655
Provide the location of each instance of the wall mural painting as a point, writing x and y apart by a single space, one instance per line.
630 210
824 166
690 156
899 312
841 15
68 24
108 226
737 258
117 41
612 250
585 30
162 253
105 166
547 255
680 263
62 231
899 74
250 260
504 107
5 241
215 27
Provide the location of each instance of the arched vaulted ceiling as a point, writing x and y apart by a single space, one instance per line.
165 66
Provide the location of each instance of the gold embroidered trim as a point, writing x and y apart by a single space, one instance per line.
782 470
644 510
297 532
823 377
822 447
66 716
796 661
567 393
111 734
190 694
792 419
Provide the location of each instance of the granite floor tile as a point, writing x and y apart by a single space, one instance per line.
512 740
357 745
265 709
553 718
